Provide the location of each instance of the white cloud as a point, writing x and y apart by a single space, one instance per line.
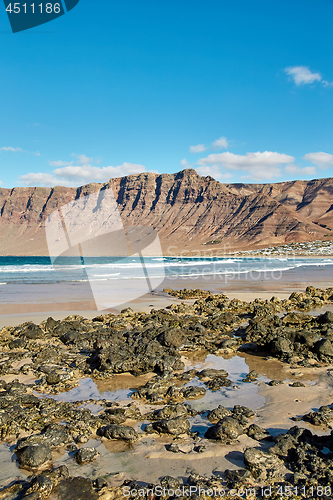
220 143
41 179
325 83
60 163
302 75
322 160
83 159
185 163
293 169
19 150
13 150
199 148
213 171
88 173
68 174
259 165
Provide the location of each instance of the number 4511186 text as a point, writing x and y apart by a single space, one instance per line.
48 8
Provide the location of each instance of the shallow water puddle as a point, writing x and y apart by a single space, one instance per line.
236 366
118 388
239 393
88 389
9 467
121 387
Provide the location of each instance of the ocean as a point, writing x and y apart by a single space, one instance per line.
38 270
29 284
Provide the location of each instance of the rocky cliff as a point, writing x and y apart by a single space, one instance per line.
187 210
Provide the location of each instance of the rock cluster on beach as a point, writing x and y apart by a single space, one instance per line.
39 361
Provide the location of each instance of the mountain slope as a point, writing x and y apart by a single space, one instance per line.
187 211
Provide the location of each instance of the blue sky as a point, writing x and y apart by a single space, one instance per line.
239 90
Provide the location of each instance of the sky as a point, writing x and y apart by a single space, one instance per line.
239 90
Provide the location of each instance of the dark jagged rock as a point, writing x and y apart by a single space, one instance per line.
193 392
140 343
34 456
275 382
174 426
85 455
170 482
53 436
261 464
225 430
218 414
324 347
218 382
323 417
211 373
257 433
78 488
172 411
114 431
41 485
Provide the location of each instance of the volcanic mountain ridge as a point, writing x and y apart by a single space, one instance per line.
191 213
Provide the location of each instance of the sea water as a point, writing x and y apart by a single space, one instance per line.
31 270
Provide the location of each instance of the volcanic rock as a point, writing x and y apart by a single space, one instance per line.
34 455
225 429
85 455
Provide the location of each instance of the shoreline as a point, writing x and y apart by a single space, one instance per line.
144 304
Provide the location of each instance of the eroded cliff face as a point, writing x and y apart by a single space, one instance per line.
187 211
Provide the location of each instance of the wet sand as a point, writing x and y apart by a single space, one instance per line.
32 302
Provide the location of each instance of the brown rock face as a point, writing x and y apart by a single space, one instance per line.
187 211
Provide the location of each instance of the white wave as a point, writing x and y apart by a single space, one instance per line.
151 265
25 269
105 275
